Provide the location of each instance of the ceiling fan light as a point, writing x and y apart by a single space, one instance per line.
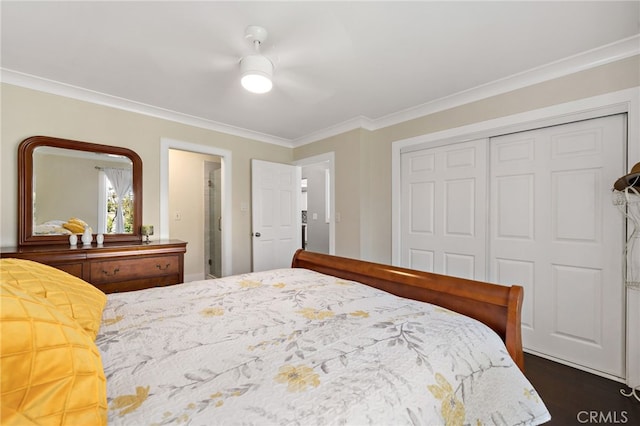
256 83
256 71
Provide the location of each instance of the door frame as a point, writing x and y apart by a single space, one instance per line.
329 157
165 145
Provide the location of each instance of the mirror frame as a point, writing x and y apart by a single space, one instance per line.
25 188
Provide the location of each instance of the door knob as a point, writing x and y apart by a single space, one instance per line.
257 234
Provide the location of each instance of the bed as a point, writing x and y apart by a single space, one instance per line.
61 227
327 341
51 227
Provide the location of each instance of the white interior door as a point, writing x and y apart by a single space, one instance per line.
555 231
443 219
276 218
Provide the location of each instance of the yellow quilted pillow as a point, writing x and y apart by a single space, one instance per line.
73 227
50 369
71 295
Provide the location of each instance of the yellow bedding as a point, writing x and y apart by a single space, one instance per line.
71 295
50 367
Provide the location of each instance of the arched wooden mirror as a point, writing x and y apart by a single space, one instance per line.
61 179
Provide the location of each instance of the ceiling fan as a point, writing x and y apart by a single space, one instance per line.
256 69
292 67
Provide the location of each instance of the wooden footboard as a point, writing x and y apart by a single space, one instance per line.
497 306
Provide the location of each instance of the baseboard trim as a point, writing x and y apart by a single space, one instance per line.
576 366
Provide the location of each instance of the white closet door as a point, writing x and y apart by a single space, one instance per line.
555 231
443 219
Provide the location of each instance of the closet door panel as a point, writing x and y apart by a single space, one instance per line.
443 214
551 209
514 190
523 273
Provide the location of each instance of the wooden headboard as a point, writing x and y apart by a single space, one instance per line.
497 306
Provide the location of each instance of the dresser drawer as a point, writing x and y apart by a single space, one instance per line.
139 284
75 269
109 271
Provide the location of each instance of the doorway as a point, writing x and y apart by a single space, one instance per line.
170 211
316 207
320 195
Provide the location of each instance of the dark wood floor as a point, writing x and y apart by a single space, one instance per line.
575 397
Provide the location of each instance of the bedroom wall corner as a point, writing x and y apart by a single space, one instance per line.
348 187
367 154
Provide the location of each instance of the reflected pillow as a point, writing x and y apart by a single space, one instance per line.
71 295
51 369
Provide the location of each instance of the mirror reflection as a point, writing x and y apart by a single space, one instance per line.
75 189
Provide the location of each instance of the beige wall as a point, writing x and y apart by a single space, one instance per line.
28 113
349 164
364 158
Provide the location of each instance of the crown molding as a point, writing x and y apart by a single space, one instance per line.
612 52
74 92
590 59
360 122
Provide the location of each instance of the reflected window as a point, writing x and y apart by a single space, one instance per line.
115 201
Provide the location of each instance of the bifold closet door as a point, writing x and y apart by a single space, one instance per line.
555 230
443 210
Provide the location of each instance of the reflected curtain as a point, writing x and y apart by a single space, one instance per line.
121 179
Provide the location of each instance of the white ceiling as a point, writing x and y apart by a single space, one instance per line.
336 62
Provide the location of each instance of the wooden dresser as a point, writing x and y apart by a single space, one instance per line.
113 267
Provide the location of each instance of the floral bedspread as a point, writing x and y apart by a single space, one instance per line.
292 346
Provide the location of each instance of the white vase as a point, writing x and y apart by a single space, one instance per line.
100 239
86 236
73 240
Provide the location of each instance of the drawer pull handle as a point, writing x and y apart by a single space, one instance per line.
112 274
165 267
